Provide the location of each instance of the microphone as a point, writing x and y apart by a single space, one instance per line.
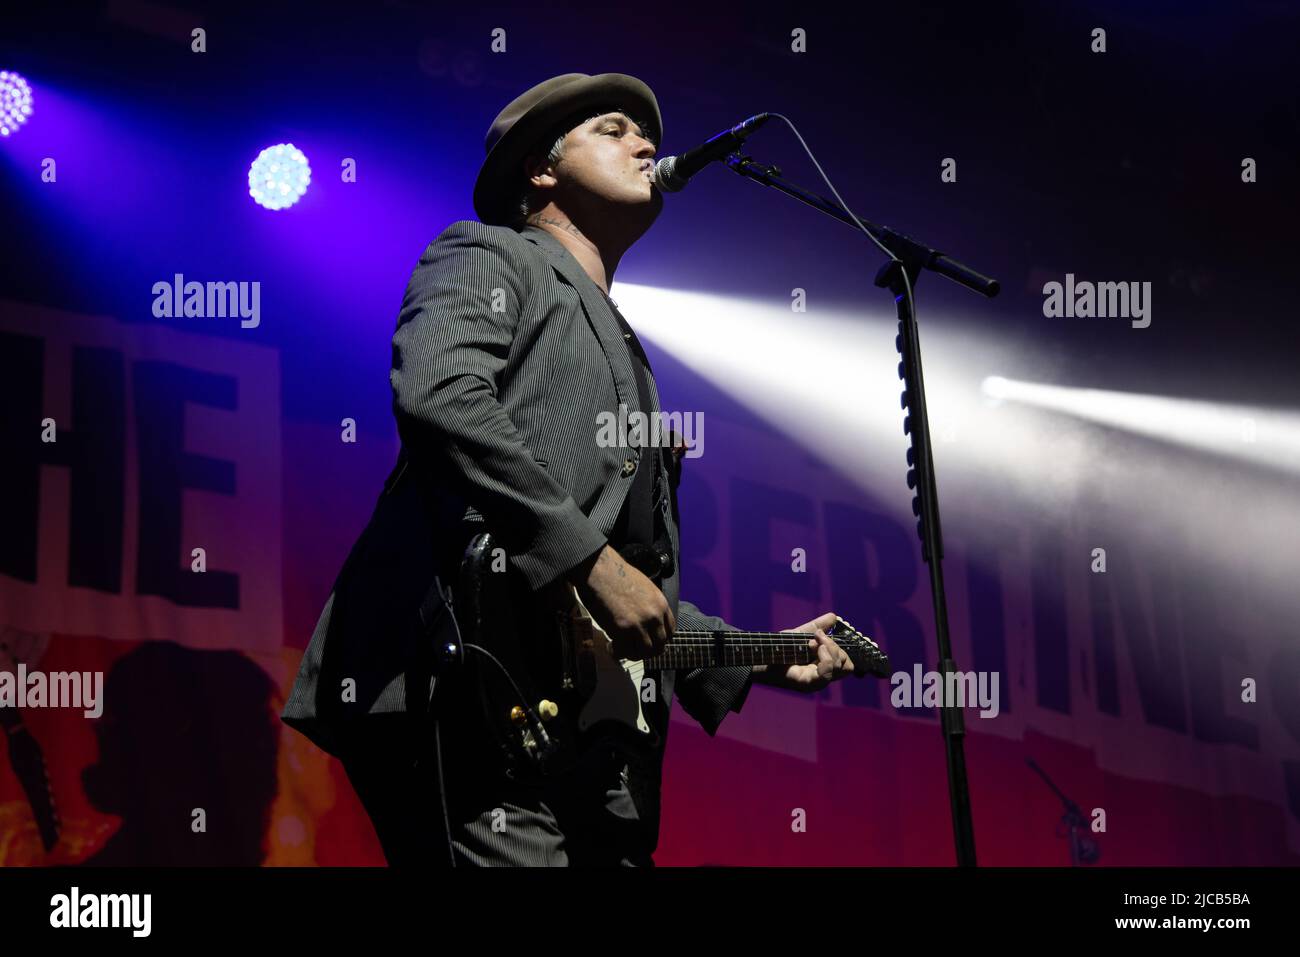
672 172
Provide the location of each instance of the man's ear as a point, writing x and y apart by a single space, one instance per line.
535 165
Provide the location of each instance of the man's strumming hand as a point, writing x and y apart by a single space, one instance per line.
624 602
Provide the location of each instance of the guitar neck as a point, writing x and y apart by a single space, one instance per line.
728 649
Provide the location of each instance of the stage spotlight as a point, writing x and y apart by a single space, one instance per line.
995 387
15 102
1259 435
827 378
279 176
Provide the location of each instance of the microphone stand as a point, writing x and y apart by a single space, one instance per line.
1082 849
897 275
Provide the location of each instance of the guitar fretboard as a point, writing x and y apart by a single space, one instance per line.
721 649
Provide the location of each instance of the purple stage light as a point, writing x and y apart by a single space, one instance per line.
15 102
279 176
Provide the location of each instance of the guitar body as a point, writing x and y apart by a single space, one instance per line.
614 695
539 684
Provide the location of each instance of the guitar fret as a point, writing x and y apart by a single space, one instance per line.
707 649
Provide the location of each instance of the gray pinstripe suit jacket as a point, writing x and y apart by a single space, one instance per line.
504 354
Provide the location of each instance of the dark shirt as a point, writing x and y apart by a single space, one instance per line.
635 523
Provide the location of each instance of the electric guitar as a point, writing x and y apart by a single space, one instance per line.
544 678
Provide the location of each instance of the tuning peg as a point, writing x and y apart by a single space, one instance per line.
900 370
907 425
518 715
547 709
911 478
902 399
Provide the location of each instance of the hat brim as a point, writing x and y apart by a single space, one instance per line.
499 178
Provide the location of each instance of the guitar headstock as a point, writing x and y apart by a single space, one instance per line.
866 655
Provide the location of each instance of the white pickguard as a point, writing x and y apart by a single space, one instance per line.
617 696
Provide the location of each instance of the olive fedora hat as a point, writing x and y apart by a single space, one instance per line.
534 114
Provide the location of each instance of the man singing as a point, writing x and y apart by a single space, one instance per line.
508 350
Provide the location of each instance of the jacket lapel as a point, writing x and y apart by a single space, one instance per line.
599 316
607 329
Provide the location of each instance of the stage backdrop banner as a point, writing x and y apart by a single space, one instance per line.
141 488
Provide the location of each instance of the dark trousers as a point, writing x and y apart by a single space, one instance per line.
584 817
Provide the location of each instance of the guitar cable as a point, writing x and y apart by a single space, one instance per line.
539 731
442 785
437 730
535 722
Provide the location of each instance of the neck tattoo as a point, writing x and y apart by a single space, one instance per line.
563 224
537 220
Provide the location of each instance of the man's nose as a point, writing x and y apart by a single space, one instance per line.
646 150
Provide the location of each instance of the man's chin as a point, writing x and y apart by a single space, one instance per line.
641 210
651 206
